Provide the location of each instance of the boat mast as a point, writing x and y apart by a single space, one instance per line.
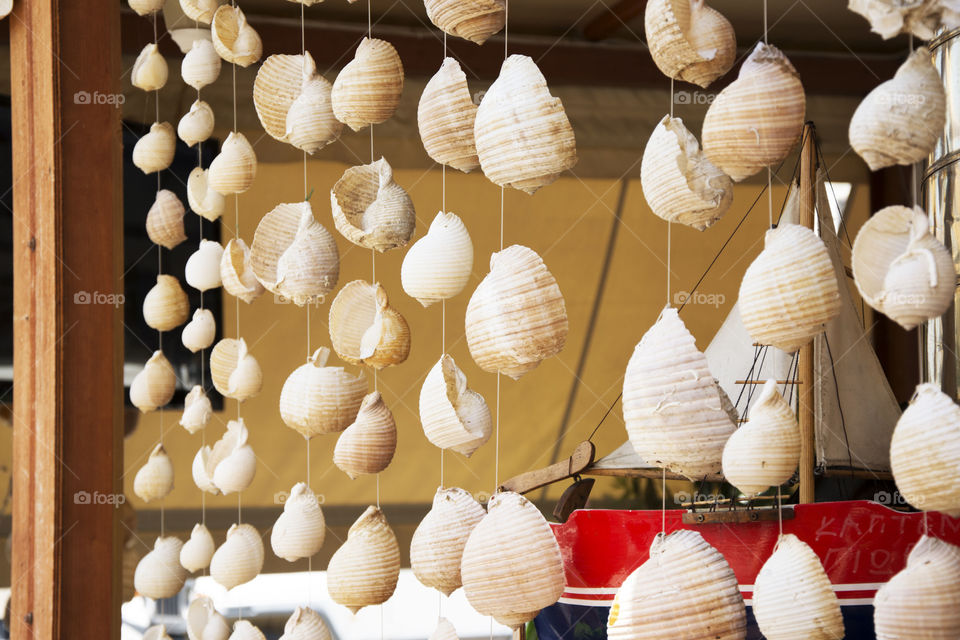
805 406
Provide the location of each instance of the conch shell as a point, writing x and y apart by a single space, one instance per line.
239 559
474 20
197 552
367 446
154 151
235 372
150 69
235 40
154 480
234 168
145 8
446 115
204 622
199 11
365 569
201 65
202 271
367 90
166 305
437 545
231 465
318 399
165 220
689 41
364 329
204 200
154 386
236 272
453 416
300 529
370 209
197 410
438 265
199 333
305 624
159 574
196 125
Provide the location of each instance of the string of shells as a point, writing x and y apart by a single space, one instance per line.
318 399
436 549
453 416
365 329
154 151
367 446
474 20
230 465
153 387
196 553
365 569
236 272
159 574
165 220
367 90
299 531
235 372
439 265
689 40
445 118
239 559
154 480
233 38
370 209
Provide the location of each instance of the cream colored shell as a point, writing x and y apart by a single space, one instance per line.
516 317
278 83
231 464
201 65
246 630
154 151
156 632
365 329
317 399
234 168
367 90
305 624
154 480
367 446
204 200
445 117
439 265
199 333
436 548
196 125
689 40
165 220
444 631
474 20
159 574
236 272
311 124
453 416
233 38
204 622
370 209
154 385
202 271
300 529
239 559
197 410
145 7
166 305
198 470
921 18
365 569
149 70
199 10
197 552
235 372
524 139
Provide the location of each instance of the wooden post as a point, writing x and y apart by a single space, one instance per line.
805 407
67 250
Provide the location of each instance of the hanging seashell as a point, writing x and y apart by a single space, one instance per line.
196 125
159 574
166 305
438 265
165 220
765 451
154 151
154 480
516 316
921 18
685 589
900 268
436 548
365 569
278 83
512 550
305 624
474 20
204 622
236 272
925 452
201 65
453 416
317 399
757 119
202 271
370 209
239 559
311 124
145 7
198 550
234 168
203 199
689 41
364 329
199 471
524 139
294 256
445 117
792 596
156 632
199 11
675 413
197 410
679 182
199 332
150 69
367 90
444 631
300 529
233 38
235 373
245 630
231 464
367 446
154 385
789 292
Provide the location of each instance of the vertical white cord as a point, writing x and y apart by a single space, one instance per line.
663 505
669 243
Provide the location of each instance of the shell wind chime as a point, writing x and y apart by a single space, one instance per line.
365 569
305 624
233 38
436 549
689 41
197 410
239 559
159 574
445 117
229 467
204 200
235 372
165 220
675 413
154 151
201 65
453 416
367 90
154 386
199 333
204 622
318 399
300 529
235 167
370 209
474 20
365 329
367 446
438 265
236 272
196 553
154 480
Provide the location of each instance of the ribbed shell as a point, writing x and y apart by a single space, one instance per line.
445 117
165 220
204 200
201 65
367 446
684 591
196 125
154 151
474 20
202 271
689 41
149 71
370 209
678 181
444 631
197 410
231 464
234 168
199 10
365 569
159 574
198 550
305 624
311 124
453 416
235 372
154 480
792 595
516 316
199 333
757 119
365 329
239 559
154 386
524 139
318 399
245 630
204 622
367 90
438 265
436 548
278 83
166 305
789 292
236 272
675 413
300 529
233 38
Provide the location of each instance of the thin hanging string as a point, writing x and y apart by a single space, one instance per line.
779 514
663 505
669 231
766 40
765 24
671 97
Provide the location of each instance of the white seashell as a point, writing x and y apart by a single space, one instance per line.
474 20
198 550
453 416
438 265
239 559
921 18
196 125
166 305
204 200
231 464
233 38
311 124
156 632
367 90
444 631
689 41
436 548
159 574
154 151
370 209
234 168
245 630
300 529
367 446
197 410
318 399
512 550
204 622
279 81
150 69
235 373
154 385
305 624
445 117
199 333
236 272
154 480
365 329
145 8
365 569
202 271
201 477
201 65
199 11
165 220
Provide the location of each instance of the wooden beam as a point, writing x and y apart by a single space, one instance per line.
807 197
67 386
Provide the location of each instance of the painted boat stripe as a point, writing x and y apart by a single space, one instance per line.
844 602
838 588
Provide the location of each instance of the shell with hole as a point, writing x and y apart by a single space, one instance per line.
512 550
166 305
675 413
198 550
765 451
294 256
239 559
305 624
197 410
236 272
453 416
317 399
445 117
199 333
300 529
204 200
524 139
367 446
154 385
154 480
156 632
201 65
234 168
204 622
159 574
311 124
233 38
200 11
365 329
365 569
689 40
278 83
202 271
685 584
154 151
367 90
923 18
789 291
758 118
196 125
901 269
150 69
145 7
679 182
165 220
246 630
231 465
444 631
235 372
793 597
438 265
370 209
516 316
474 20
436 548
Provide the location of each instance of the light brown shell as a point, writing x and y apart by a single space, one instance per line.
201 65
196 553
365 329
149 70
199 10
159 574
758 118
234 371
474 20
154 386
236 272
235 167
154 480
278 83
367 90
204 622
203 199
790 291
311 124
318 399
438 265
516 317
445 117
199 333
367 446
196 125
524 139
689 41
233 38
436 548
165 220
453 416
197 410
300 529
166 305
370 209
365 569
305 624
239 559
154 151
